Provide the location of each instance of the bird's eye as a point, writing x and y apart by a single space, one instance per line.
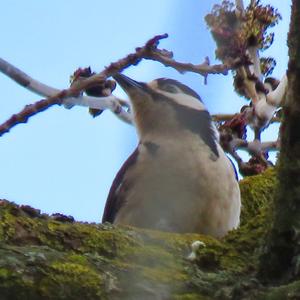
170 88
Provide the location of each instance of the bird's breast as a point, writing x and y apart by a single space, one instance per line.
180 186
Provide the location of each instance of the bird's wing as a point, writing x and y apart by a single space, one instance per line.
234 169
115 197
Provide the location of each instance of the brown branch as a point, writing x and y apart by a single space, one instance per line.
257 149
203 69
151 52
239 5
222 117
148 51
232 129
28 111
228 117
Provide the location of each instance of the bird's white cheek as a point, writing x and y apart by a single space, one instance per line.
185 100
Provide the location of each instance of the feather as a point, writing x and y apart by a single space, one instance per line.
114 200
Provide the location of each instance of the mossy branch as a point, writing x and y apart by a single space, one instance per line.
282 252
54 257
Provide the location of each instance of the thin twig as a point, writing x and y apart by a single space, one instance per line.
74 93
27 112
111 102
228 117
26 81
239 5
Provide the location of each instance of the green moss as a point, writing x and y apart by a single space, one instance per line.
164 275
72 279
7 226
289 291
46 259
257 194
191 297
78 259
4 274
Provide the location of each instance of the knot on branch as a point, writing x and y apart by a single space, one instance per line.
154 42
256 165
96 89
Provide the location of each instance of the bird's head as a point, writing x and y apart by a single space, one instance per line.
166 107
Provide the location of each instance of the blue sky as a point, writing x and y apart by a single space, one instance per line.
64 160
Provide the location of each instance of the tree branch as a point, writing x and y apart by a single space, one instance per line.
111 102
254 57
239 5
26 113
73 95
228 117
276 97
26 81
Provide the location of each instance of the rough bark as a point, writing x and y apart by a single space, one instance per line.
42 257
282 253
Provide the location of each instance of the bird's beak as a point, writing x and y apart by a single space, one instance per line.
129 85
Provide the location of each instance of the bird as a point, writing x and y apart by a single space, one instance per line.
178 179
